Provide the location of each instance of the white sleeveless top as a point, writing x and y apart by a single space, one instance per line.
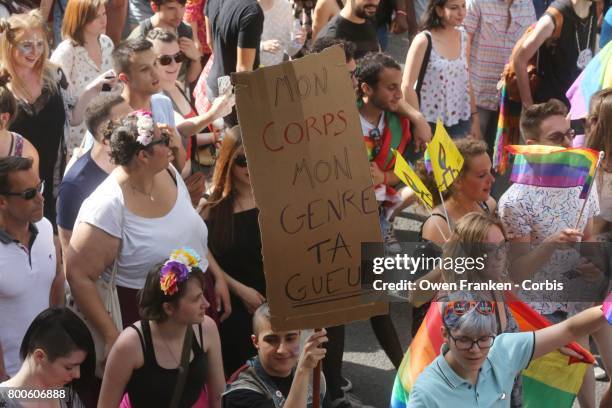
445 91
145 241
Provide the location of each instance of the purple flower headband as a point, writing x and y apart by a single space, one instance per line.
177 269
145 126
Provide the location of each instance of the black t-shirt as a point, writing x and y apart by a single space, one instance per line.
252 399
557 61
363 35
234 23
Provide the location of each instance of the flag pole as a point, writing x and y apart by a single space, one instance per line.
316 384
586 199
445 212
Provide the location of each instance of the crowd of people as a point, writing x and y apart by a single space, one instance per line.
130 250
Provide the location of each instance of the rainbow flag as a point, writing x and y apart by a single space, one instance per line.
606 308
508 132
551 381
596 76
554 166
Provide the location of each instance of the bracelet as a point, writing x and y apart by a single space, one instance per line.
474 113
401 13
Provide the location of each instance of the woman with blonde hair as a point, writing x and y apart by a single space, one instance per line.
45 102
85 52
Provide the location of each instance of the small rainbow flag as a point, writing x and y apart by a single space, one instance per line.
551 381
554 166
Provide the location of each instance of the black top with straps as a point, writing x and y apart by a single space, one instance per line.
153 386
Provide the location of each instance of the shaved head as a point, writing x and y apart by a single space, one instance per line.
261 318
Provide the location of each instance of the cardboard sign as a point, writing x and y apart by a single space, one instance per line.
310 176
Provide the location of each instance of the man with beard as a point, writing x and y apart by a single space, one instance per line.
355 24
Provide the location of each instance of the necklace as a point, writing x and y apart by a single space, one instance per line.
142 192
585 55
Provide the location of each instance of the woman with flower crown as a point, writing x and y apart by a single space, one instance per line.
140 213
146 358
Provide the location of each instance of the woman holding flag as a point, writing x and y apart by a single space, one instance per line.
476 367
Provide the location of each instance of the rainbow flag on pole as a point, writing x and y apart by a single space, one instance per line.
551 381
553 166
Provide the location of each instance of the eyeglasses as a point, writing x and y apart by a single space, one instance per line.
374 134
167 59
164 139
29 46
240 160
30 193
464 344
558 137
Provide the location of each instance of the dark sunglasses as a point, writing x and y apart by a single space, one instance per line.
164 139
375 135
240 160
30 193
167 59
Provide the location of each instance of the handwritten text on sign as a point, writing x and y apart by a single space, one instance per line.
310 175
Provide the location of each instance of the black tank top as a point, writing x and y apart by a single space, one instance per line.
153 386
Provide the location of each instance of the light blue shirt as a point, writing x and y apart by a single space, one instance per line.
440 386
161 108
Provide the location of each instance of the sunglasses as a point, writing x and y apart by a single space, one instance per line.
240 160
29 46
375 135
461 307
164 139
30 193
167 59
558 137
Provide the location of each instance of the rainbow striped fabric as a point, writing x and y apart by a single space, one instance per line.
596 76
551 381
553 166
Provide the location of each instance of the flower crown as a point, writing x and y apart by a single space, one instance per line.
177 269
144 124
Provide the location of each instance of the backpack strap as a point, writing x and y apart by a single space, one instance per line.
557 18
424 64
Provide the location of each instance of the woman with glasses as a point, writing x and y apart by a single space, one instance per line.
85 52
46 103
141 212
12 143
231 216
476 367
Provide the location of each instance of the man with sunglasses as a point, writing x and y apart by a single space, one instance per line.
31 279
475 367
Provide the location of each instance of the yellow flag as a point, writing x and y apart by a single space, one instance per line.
446 160
403 170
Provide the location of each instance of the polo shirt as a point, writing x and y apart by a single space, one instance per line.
26 275
440 386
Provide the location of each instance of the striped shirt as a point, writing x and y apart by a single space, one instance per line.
493 38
